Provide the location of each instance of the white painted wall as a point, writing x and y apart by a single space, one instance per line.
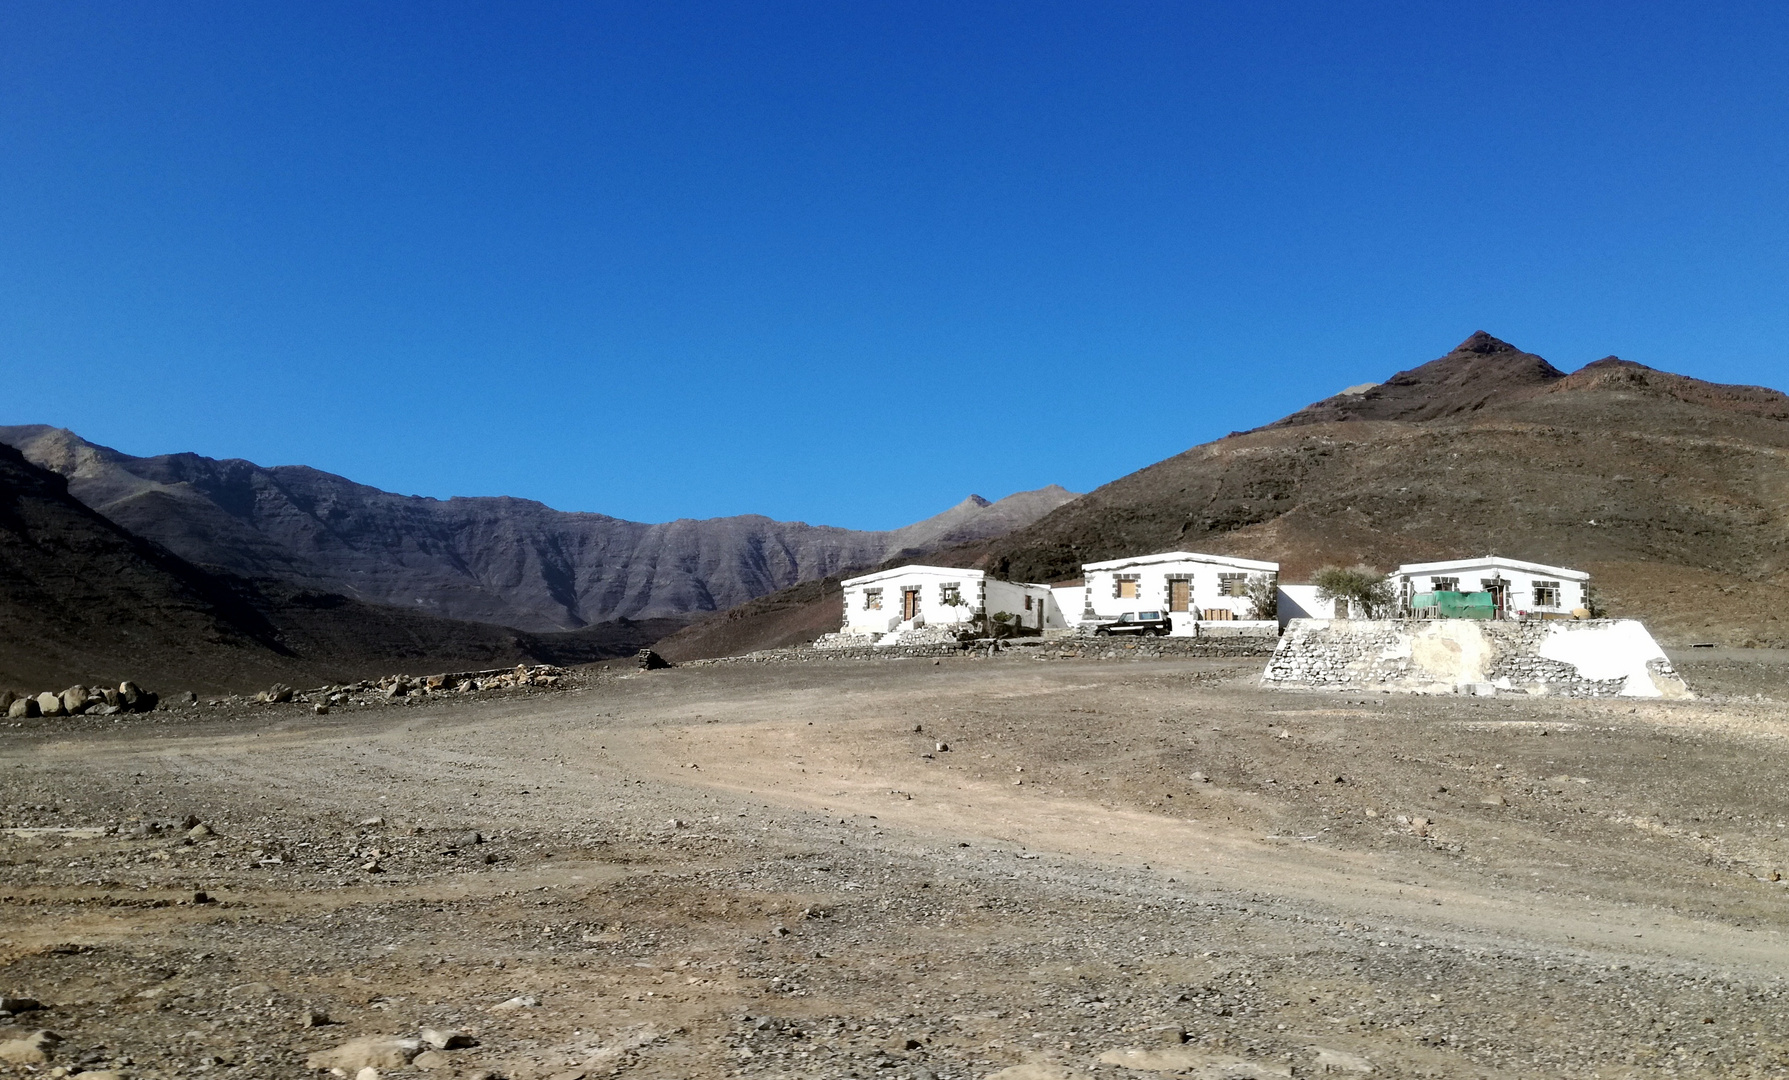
1300 602
1610 650
1033 604
1521 576
1070 601
1153 573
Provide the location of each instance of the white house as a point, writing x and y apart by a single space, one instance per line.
1191 588
1517 588
910 597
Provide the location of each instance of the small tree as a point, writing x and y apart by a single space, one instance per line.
1361 586
1263 594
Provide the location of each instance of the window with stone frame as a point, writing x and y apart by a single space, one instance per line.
1233 584
872 599
1125 586
950 594
1444 584
1546 594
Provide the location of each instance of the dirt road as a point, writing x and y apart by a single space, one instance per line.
908 869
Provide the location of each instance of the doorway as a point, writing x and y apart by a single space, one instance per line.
1180 595
909 604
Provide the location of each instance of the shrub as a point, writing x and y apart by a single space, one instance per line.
1365 589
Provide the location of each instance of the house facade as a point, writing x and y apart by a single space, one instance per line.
1192 588
910 597
1491 587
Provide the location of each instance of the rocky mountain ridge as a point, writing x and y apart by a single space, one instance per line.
499 560
83 600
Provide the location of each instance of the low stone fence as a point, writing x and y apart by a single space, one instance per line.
1580 658
1057 648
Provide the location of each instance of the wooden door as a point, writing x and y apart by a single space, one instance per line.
1180 595
909 604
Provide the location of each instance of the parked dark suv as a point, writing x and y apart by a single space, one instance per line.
1138 622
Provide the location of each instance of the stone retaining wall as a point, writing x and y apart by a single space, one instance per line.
1587 658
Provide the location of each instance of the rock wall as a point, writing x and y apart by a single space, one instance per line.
1062 647
1588 658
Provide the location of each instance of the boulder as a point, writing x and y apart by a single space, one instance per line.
129 691
49 704
22 708
34 1049
74 699
368 1052
7 697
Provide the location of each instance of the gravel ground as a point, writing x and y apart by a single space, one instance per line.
1010 867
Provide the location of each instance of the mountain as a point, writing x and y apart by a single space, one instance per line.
82 600
1673 492
1482 371
498 560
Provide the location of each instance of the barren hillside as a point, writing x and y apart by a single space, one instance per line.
1673 492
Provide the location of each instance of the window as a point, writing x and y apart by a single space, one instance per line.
950 594
1444 584
1124 586
1233 584
1546 594
1028 603
872 599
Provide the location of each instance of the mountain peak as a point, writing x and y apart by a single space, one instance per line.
1484 344
1480 371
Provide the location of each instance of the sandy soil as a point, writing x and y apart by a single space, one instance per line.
1118 869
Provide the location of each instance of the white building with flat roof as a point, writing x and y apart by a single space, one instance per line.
910 597
1192 588
1518 588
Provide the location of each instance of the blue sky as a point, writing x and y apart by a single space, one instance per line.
847 263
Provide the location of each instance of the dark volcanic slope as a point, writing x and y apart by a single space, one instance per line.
79 595
499 560
1673 492
1482 371
82 600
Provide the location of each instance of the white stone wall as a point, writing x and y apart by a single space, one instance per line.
1588 658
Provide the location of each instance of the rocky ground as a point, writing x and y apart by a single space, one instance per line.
965 868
